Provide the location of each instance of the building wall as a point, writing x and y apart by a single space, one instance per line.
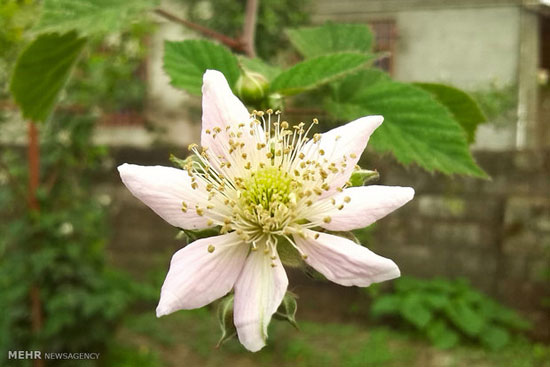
472 45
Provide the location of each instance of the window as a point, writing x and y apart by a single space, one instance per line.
385 36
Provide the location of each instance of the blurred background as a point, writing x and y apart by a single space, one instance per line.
475 254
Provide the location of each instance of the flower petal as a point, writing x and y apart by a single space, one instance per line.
258 293
202 272
163 189
366 205
345 262
347 141
220 109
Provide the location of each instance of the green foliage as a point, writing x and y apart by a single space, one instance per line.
90 17
312 73
42 71
15 17
185 62
109 75
464 108
448 312
59 249
331 38
416 128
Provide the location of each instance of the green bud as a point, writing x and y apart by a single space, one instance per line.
252 87
362 177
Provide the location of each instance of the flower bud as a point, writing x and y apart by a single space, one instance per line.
252 87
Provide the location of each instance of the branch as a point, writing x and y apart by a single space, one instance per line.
249 28
232 43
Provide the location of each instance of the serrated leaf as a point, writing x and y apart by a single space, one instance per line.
330 38
363 176
464 108
186 61
41 72
90 16
259 66
312 73
416 127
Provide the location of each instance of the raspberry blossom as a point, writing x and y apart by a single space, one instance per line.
273 191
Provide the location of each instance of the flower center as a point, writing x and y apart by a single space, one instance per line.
267 201
268 186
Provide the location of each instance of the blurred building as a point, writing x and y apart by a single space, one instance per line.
477 45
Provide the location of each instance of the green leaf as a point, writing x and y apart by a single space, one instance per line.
315 72
462 106
414 311
441 335
41 72
363 176
416 128
185 63
387 304
259 66
435 300
331 38
287 309
90 16
494 337
465 317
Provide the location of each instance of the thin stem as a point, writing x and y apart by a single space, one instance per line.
249 28
232 43
34 180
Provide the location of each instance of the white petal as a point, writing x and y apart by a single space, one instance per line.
163 189
366 205
345 262
197 276
346 140
258 293
220 108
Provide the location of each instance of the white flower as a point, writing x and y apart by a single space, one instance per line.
267 185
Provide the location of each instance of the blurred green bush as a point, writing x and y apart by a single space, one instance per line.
449 312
